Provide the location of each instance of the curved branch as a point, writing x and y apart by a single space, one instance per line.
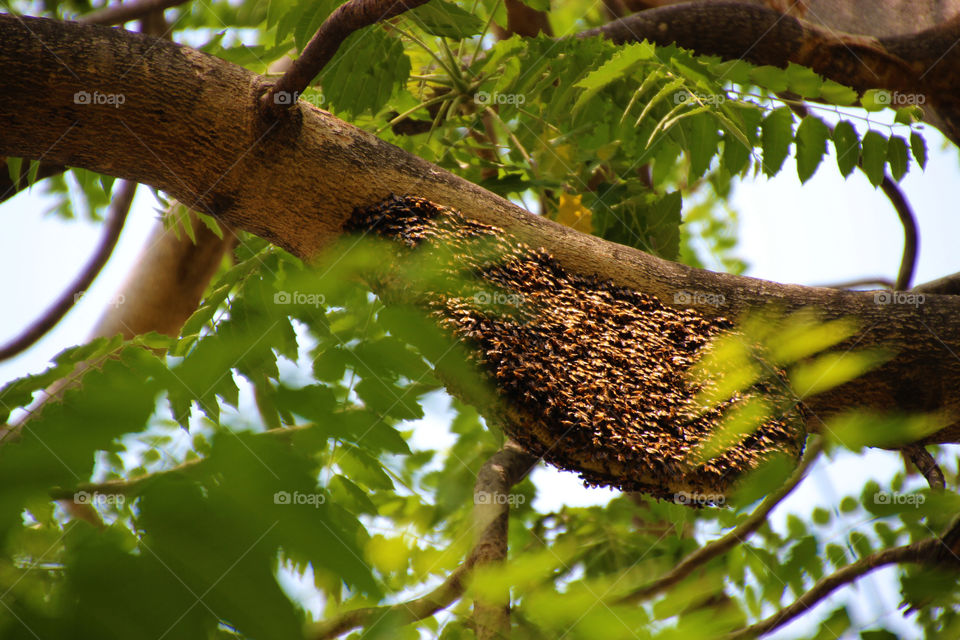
908 263
923 552
736 536
114 224
349 17
120 13
499 473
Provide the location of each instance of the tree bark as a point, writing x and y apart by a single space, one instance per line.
189 125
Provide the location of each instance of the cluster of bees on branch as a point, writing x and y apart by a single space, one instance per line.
592 377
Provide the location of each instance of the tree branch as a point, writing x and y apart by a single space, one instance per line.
112 228
908 263
498 474
347 18
923 63
926 464
736 536
932 551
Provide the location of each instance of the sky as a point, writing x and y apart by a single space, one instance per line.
828 231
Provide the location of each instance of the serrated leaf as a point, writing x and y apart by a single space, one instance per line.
776 134
876 99
847 143
771 78
445 19
874 156
838 94
370 65
616 68
803 81
918 147
897 157
811 145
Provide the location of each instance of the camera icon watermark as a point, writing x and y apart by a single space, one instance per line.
113 301
485 298
285 97
898 297
894 498
699 499
685 96
512 499
697 298
313 499
97 98
300 298
485 98
98 499
899 98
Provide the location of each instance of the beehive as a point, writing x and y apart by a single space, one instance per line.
590 376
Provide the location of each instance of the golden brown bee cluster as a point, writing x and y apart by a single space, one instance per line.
592 377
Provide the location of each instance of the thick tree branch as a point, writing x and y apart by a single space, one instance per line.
502 471
297 184
111 232
346 19
924 63
738 535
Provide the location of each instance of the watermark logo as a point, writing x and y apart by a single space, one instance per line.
113 301
285 497
898 297
894 498
693 298
98 499
285 97
899 99
484 98
684 96
699 499
498 298
512 499
298 297
112 99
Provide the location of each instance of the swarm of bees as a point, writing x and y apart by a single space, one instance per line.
590 376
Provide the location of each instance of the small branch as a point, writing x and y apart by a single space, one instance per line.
736 536
120 13
926 465
908 263
349 17
114 224
497 475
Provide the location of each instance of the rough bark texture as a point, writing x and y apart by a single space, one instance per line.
189 125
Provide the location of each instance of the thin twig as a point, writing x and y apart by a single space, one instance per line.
865 282
119 208
908 263
736 536
503 470
120 13
928 551
926 465
349 17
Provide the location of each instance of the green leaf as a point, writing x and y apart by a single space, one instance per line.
918 147
874 156
803 81
838 94
369 67
776 134
445 19
771 78
616 68
811 145
876 99
847 143
898 157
